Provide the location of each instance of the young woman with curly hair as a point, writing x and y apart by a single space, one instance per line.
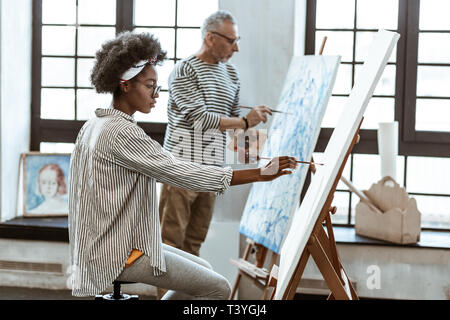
114 229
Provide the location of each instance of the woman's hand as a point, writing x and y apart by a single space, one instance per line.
277 167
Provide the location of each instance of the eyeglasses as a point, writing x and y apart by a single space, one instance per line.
156 89
230 40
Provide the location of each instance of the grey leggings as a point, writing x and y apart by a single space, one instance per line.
187 276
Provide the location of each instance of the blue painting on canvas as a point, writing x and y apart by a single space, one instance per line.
305 95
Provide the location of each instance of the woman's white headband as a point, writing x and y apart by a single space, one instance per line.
136 69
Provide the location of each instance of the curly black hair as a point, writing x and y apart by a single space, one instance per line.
118 55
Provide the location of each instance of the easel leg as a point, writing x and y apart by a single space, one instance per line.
292 289
329 245
239 276
272 282
272 263
330 275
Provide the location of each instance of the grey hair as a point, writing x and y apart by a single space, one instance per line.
213 22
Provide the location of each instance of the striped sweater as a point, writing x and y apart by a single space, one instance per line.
112 197
199 94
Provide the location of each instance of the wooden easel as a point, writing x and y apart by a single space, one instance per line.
256 272
322 247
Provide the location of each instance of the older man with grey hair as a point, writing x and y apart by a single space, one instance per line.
203 104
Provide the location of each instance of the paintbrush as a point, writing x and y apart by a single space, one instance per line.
305 162
278 111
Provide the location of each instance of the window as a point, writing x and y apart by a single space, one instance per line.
177 25
350 35
412 90
428 100
66 92
66 35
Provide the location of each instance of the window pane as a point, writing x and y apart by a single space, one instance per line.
333 112
58 40
380 14
318 157
88 100
345 173
56 147
433 115
355 201
166 38
363 42
341 201
90 39
88 11
378 110
188 42
434 47
367 170
154 13
58 104
327 18
59 11
435 212
386 84
338 43
84 72
192 12
428 175
58 72
164 72
343 83
433 81
434 15
159 113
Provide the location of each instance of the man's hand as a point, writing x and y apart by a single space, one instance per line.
258 114
277 167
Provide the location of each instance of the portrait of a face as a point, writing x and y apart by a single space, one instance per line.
51 181
45 181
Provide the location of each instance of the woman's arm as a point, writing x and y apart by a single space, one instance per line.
136 151
277 167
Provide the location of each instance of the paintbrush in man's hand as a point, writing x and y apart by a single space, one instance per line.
273 110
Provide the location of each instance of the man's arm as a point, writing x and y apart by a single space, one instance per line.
254 117
231 123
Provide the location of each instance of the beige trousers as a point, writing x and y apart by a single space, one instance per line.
185 217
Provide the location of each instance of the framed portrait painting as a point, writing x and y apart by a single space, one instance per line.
45 184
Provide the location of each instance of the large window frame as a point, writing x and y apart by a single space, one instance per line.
411 141
66 131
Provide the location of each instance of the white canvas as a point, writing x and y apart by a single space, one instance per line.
306 216
305 95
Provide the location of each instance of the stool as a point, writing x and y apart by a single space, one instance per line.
117 293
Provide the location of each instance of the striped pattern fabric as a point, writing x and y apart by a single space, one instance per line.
112 197
199 94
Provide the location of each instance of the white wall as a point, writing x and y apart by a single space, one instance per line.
15 93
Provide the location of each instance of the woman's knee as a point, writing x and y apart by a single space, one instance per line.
205 263
224 288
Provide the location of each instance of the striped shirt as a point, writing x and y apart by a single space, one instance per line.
112 197
200 94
